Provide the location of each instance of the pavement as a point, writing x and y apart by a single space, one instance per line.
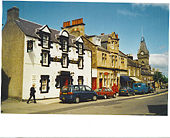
21 107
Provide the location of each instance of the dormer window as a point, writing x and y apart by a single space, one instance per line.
79 43
45 41
80 48
64 39
65 45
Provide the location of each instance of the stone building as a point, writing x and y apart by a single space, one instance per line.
106 65
143 59
46 57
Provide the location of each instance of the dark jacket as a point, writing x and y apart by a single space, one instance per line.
32 91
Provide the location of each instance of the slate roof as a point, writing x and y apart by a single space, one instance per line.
29 28
104 37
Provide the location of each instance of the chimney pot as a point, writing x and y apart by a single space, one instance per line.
102 33
13 14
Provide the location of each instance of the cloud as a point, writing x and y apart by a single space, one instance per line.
127 13
159 61
142 6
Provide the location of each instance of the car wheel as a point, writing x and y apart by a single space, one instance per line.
105 96
77 100
117 94
94 98
114 95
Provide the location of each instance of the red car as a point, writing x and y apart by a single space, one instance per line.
105 93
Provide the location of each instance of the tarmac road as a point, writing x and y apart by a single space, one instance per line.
151 104
148 104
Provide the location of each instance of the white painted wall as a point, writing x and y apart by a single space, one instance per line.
33 70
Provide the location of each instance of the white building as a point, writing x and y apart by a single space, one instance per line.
43 56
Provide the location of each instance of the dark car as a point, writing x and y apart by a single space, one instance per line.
77 93
126 91
105 93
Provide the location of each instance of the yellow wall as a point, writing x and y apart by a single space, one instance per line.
12 57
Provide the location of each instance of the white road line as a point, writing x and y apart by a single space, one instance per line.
152 95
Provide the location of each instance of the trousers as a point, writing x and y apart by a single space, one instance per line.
31 97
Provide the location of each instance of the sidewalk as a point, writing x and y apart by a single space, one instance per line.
20 107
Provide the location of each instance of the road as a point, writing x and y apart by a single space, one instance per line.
150 104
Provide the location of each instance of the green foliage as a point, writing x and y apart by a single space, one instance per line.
158 77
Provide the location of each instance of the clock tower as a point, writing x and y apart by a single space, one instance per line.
143 54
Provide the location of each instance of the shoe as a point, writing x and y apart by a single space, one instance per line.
27 102
35 102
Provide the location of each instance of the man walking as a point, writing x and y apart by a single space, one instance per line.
32 93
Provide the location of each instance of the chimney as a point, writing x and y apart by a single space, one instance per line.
102 33
12 14
65 24
117 36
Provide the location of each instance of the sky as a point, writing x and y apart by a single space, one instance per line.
129 20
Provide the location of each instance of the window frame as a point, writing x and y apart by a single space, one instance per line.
42 58
47 35
80 78
67 62
45 77
29 49
80 58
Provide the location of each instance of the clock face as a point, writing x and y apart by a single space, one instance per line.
142 53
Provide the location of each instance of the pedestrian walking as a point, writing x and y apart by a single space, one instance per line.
32 93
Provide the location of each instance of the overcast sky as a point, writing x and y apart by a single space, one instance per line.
128 20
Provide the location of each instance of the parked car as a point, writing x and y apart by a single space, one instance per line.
140 88
105 93
126 91
77 93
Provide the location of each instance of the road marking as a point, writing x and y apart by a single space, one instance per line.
152 95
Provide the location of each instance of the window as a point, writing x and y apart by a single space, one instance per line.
112 60
64 60
44 83
45 41
29 46
82 88
80 48
122 60
104 58
76 88
45 58
88 88
80 80
105 82
65 45
80 62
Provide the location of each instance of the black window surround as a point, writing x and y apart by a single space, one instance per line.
45 58
45 39
44 84
80 62
80 48
64 43
64 60
80 79
30 46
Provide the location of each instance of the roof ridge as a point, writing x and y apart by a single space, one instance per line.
38 24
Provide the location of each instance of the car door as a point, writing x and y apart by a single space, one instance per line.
82 92
89 92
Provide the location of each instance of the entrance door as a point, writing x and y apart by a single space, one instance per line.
100 83
94 83
65 79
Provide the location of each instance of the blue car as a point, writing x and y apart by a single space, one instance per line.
126 91
140 88
77 93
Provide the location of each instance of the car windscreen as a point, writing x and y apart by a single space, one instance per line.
66 89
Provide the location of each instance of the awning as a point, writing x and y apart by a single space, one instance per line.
135 79
125 78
